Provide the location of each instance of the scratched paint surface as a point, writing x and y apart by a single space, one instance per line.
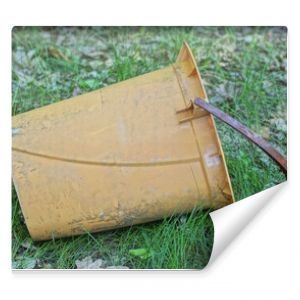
118 156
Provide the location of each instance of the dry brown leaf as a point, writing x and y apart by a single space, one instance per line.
265 132
56 53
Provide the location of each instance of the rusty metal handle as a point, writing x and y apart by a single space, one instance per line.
252 136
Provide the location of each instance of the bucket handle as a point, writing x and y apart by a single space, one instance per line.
249 134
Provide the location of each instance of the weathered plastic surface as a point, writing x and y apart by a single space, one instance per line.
119 156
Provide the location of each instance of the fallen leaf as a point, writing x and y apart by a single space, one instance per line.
183 219
56 53
47 266
265 132
27 244
224 92
95 55
279 123
89 263
248 39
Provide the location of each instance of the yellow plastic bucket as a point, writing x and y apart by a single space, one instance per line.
130 153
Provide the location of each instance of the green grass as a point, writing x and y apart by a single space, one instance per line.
244 70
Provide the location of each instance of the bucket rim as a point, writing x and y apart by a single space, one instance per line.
186 53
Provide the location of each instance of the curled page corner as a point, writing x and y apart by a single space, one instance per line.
229 221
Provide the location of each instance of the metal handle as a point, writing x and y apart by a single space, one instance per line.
252 136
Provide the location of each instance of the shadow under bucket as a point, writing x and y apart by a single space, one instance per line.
125 154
